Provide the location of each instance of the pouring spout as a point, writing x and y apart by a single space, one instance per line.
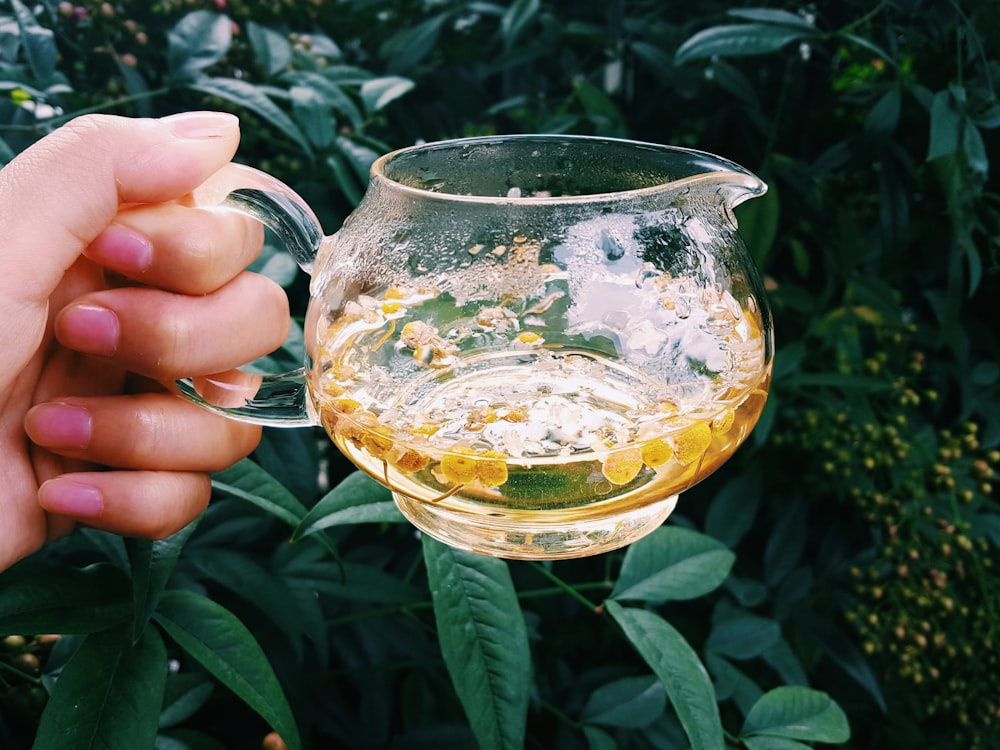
742 187
733 183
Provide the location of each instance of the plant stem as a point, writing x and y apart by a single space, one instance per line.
574 593
105 106
559 714
372 614
849 28
539 593
22 675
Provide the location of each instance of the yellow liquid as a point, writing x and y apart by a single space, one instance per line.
501 412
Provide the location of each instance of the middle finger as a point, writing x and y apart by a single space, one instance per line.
166 336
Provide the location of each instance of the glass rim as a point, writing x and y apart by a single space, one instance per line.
745 183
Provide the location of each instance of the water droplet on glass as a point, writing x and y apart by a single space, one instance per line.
611 246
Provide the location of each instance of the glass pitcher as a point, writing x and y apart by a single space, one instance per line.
536 341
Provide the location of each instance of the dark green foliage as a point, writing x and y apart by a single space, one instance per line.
841 570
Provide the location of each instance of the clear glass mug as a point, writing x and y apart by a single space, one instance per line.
536 342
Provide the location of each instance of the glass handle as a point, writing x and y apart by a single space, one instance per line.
270 400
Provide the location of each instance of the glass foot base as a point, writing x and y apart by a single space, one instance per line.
544 535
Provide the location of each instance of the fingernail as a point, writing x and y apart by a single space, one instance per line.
90 329
71 498
202 125
122 249
59 426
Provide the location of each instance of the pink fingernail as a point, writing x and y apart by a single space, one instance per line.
59 426
71 498
122 248
90 329
202 125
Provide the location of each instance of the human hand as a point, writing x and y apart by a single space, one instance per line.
115 284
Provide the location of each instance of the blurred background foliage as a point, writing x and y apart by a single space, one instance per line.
863 513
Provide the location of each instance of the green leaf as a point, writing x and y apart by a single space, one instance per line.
10 39
884 116
248 481
108 695
185 693
484 641
6 153
599 107
869 45
355 582
732 512
516 19
357 499
975 154
680 671
198 41
737 40
786 663
217 640
844 653
244 576
112 546
39 44
66 600
598 739
378 92
656 60
313 115
251 97
731 78
764 742
797 713
628 703
187 739
747 592
742 635
758 222
331 91
672 563
345 75
988 525
136 87
271 51
404 50
152 562
785 544
279 267
346 181
358 155
773 16
732 684
946 126
291 457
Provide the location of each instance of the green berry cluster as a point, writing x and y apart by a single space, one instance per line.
925 592
103 38
262 11
22 696
928 604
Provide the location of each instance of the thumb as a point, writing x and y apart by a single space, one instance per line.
61 193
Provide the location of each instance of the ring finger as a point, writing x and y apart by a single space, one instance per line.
182 248
156 431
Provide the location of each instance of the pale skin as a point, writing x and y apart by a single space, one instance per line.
115 284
